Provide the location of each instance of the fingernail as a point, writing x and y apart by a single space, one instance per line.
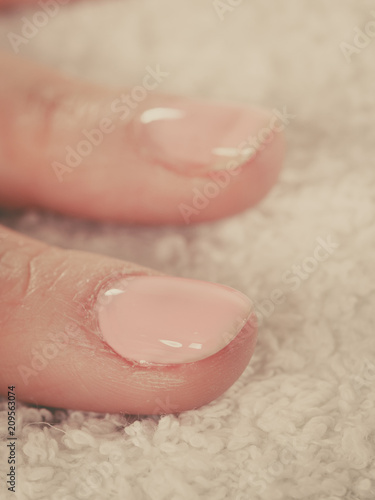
197 137
168 320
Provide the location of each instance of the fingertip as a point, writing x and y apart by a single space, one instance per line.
157 339
95 153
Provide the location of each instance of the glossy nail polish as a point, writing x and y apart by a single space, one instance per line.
197 137
169 320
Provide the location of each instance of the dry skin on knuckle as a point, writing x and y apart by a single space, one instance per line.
16 266
28 273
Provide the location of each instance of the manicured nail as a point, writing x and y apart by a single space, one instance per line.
168 320
197 137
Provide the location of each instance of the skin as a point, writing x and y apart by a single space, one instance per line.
45 291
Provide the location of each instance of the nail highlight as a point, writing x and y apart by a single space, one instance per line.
197 137
168 320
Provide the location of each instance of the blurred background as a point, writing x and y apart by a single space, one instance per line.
309 390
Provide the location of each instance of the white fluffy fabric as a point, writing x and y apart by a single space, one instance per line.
300 422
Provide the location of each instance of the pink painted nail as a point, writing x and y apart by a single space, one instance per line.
168 320
197 137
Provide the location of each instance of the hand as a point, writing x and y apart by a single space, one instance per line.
75 325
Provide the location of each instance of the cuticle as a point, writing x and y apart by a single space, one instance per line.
102 286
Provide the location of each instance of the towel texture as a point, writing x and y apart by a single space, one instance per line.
300 422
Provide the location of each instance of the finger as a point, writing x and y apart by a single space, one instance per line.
84 331
133 155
